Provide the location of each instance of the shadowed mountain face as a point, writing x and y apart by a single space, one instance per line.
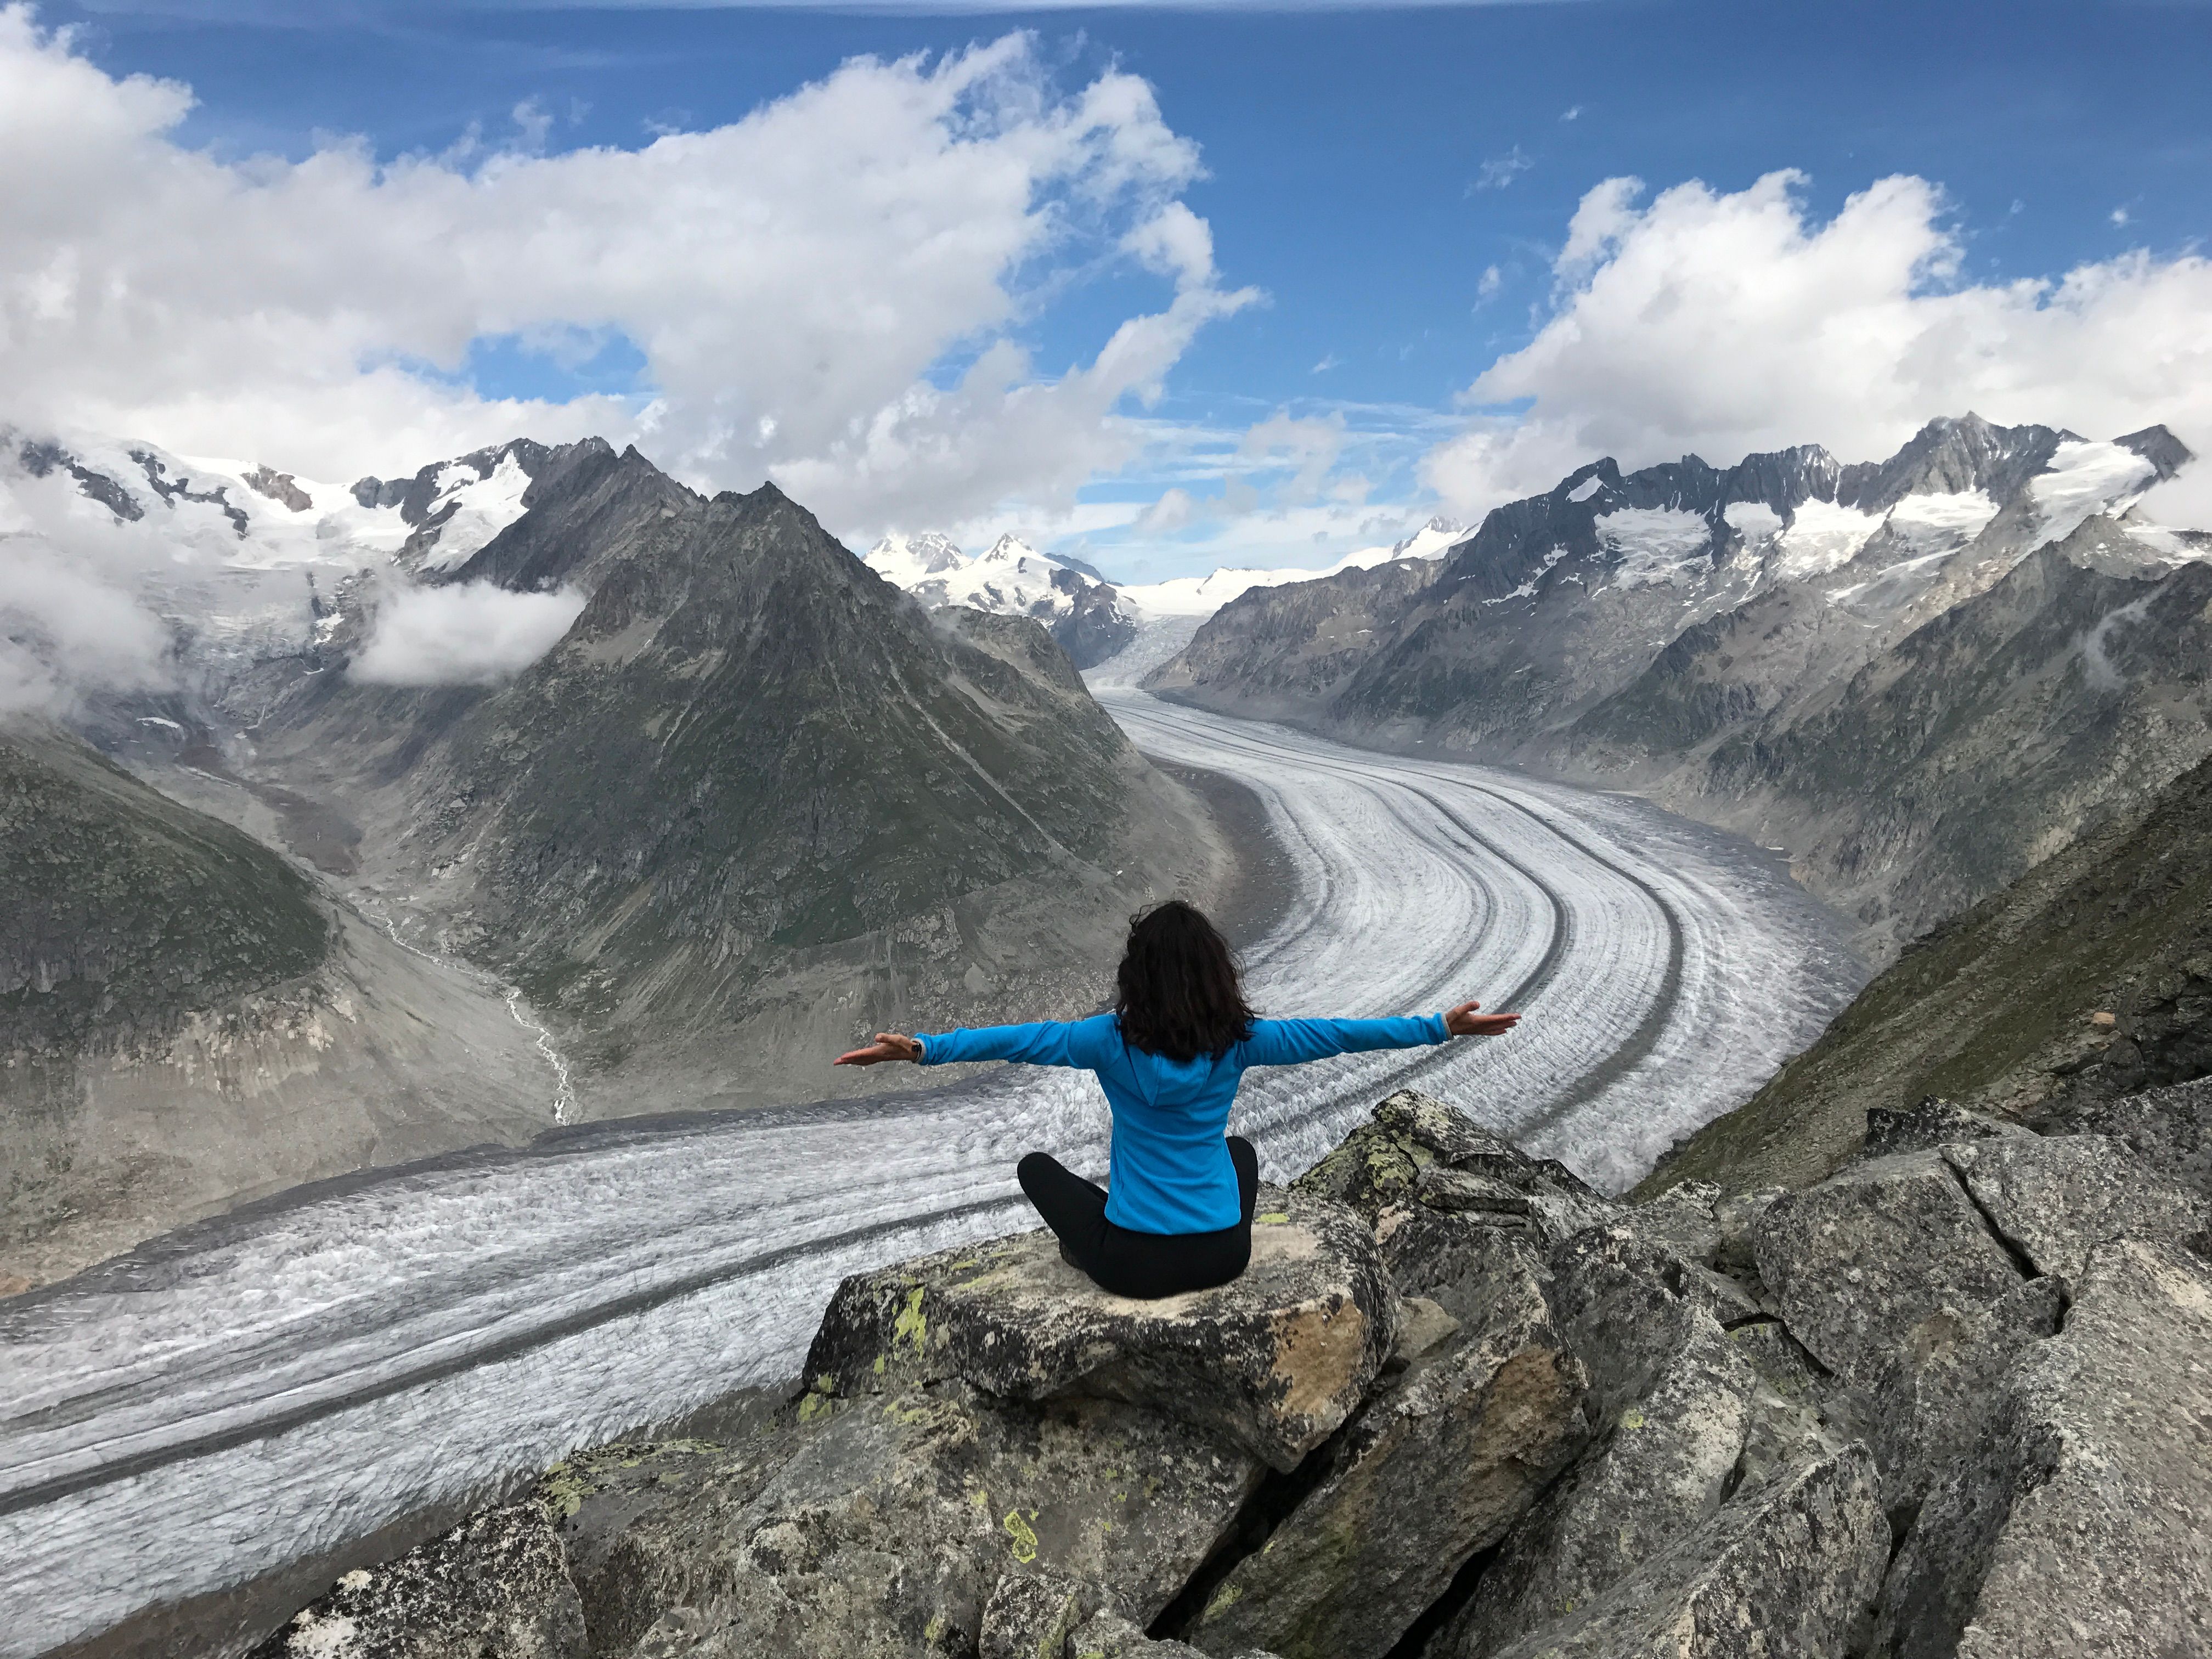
1919 676
185 1021
1997 1008
122 913
749 757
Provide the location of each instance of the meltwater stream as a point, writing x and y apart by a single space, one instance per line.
270 1385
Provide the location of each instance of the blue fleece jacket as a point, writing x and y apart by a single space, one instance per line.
1168 1171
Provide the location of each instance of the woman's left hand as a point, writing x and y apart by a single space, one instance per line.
1463 1021
888 1045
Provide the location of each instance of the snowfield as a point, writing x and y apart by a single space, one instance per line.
283 1380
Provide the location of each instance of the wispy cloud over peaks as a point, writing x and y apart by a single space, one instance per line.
1721 323
792 282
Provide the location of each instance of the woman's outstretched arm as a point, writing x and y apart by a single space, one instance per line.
1047 1043
1293 1041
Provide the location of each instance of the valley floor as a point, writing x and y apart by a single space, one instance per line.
275 1385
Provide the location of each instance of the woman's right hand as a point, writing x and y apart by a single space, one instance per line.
1463 1021
888 1045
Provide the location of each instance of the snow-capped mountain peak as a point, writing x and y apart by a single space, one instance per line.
904 560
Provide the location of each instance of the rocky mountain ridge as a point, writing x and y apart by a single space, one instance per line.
1092 618
1777 647
1946 1402
752 801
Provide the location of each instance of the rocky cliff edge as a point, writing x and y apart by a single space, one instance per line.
1948 1401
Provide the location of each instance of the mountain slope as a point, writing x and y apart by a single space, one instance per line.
185 1021
750 766
1993 1009
1790 646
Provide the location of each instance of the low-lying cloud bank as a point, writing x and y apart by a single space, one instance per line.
72 615
1715 323
474 633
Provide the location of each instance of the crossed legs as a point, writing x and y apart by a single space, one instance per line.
1134 1264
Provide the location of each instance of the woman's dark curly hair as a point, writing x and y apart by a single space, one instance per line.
1176 990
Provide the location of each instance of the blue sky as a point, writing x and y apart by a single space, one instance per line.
1399 182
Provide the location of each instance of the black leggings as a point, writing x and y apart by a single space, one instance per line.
1145 1265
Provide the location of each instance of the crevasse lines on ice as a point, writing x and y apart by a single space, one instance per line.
279 1381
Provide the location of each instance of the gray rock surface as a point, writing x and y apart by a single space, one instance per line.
1664 1464
1931 1123
1855 1263
1629 1307
1109 1635
1436 1466
1936 1395
1030 1616
2169 1129
1275 1361
2081 1522
889 1528
1787 1574
497 1587
1685 1429
1418 1151
2056 1198
642 1526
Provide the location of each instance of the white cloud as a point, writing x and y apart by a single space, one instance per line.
1308 446
1486 288
2119 215
473 633
794 280
1572 112
1721 323
1502 170
73 617
1173 510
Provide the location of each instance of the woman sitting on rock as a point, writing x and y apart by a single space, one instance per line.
1176 1211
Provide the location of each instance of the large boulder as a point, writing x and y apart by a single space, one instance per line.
1416 1149
2082 1521
1786 1573
1109 1635
2053 1200
1933 1122
640 1525
874 1527
1857 1262
1629 1306
1664 1463
1273 1362
1448 1453
897 1518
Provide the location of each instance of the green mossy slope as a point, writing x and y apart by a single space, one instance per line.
1993 1007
